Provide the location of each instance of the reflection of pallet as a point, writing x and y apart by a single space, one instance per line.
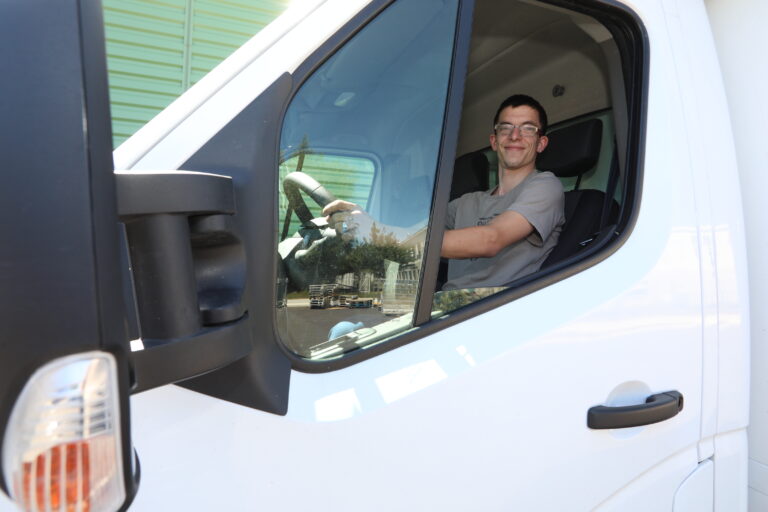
319 302
397 307
321 296
360 303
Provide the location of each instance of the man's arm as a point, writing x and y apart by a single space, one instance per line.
473 242
486 241
350 220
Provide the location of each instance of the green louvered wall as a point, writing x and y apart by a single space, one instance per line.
158 49
346 177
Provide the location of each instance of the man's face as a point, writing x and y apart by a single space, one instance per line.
516 150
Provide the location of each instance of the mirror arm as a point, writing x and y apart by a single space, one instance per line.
189 271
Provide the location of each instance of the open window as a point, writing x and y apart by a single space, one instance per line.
387 98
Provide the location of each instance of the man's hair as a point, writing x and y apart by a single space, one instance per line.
518 100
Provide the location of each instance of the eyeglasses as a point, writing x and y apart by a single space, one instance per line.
506 129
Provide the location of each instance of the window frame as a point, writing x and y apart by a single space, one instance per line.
633 47
248 150
446 152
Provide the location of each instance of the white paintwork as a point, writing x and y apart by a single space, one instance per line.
492 410
758 493
490 413
744 66
715 182
654 489
731 471
696 493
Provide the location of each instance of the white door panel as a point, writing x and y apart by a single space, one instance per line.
494 408
657 489
696 494
489 414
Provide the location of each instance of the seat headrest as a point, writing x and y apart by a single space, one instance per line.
470 173
572 150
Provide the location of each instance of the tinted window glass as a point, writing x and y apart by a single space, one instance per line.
366 125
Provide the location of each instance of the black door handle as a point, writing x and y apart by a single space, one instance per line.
656 408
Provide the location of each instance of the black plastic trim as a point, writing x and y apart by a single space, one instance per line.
632 39
131 494
189 273
61 277
263 377
446 161
188 192
165 361
246 150
106 228
658 407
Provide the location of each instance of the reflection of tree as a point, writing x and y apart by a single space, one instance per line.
451 300
334 256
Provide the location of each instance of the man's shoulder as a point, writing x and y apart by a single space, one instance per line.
546 179
545 176
470 197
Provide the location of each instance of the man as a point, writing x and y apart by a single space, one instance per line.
495 236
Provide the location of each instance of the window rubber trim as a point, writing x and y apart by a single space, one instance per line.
631 38
445 162
443 176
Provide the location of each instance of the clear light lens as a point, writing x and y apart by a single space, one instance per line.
61 450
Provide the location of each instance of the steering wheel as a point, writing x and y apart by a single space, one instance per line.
292 250
294 184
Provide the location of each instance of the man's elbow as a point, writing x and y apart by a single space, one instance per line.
492 251
491 247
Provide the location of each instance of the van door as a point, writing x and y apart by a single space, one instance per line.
522 401
64 372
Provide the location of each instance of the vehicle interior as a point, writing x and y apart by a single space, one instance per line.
376 116
569 63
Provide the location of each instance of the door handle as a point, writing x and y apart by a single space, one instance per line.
658 407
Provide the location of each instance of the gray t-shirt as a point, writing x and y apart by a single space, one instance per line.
538 198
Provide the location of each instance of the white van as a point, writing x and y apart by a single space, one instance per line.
161 351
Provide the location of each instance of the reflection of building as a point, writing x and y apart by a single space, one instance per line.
398 295
157 50
365 282
401 284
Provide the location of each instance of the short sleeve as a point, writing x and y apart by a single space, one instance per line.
541 203
450 217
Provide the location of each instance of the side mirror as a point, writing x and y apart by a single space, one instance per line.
189 271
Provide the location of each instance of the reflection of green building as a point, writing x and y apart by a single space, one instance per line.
346 176
157 49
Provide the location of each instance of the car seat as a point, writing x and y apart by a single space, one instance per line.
572 152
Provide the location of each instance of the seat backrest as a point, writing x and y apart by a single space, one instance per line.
470 174
571 152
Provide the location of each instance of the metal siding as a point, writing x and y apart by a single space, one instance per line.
220 27
145 52
158 49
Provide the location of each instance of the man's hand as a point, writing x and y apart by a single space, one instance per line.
353 223
349 220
